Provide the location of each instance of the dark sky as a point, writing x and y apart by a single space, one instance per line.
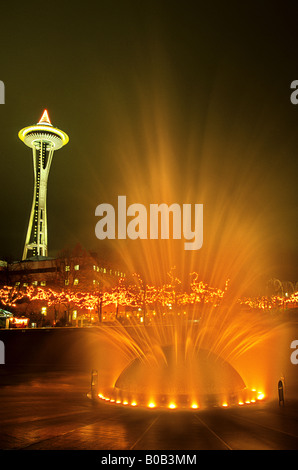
163 101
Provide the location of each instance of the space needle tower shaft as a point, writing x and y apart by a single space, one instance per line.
44 139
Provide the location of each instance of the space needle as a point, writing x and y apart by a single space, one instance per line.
44 139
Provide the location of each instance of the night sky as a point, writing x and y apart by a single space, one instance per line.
185 102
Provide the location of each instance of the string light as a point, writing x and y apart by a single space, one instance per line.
138 296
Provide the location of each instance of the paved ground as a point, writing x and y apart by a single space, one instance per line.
52 412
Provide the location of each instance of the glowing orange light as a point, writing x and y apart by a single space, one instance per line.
133 403
151 405
240 403
225 404
20 321
194 406
126 295
172 406
261 396
45 118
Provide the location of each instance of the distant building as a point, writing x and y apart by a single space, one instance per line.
85 273
75 272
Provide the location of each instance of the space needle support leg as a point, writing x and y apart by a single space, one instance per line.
29 230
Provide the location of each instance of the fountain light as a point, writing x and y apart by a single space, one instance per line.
151 405
172 405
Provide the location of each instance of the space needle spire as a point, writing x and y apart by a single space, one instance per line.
44 139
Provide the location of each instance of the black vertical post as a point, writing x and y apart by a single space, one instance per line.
281 398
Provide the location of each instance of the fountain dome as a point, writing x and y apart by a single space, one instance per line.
172 374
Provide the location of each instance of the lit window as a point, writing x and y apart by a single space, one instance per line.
66 282
77 267
67 268
17 283
104 270
34 283
25 284
94 282
94 268
43 310
75 282
43 283
74 314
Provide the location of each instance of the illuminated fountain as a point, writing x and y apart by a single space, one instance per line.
170 367
160 156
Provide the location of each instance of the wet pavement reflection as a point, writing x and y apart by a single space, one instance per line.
51 411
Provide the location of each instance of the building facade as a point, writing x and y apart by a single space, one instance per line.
70 274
